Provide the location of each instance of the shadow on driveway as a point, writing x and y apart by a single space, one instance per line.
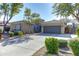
15 40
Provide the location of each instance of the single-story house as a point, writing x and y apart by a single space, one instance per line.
54 26
21 26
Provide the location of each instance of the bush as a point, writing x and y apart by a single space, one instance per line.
11 34
20 33
77 31
74 45
0 30
15 33
52 45
62 43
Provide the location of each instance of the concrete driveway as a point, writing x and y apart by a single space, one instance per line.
59 36
28 48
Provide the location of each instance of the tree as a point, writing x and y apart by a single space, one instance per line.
37 21
9 10
67 9
32 18
27 14
34 15
36 18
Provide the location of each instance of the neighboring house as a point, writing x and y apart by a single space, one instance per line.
21 26
54 26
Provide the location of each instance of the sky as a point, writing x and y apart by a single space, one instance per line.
44 9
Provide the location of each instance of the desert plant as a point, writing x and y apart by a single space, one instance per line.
77 31
11 34
63 43
52 45
74 46
20 33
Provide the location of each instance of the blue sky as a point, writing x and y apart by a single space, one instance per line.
44 9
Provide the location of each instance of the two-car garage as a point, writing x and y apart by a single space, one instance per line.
54 27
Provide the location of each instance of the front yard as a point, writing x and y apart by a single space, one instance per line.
62 52
55 47
35 47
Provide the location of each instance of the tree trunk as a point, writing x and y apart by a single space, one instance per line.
76 17
4 22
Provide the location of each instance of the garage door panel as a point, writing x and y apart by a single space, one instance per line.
52 29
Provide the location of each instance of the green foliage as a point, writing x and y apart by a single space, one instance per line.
32 18
20 33
11 34
74 45
63 43
77 31
15 33
9 10
52 45
36 21
0 30
66 9
35 15
27 12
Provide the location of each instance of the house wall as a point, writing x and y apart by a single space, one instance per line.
26 28
1 27
53 23
62 29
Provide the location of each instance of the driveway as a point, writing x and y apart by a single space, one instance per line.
59 36
28 48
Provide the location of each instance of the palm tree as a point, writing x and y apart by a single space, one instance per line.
27 14
32 18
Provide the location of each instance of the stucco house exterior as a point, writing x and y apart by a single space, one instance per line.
54 26
22 26
62 26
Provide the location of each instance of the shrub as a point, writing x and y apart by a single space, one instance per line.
20 33
15 33
11 34
52 45
74 45
62 43
0 30
77 31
